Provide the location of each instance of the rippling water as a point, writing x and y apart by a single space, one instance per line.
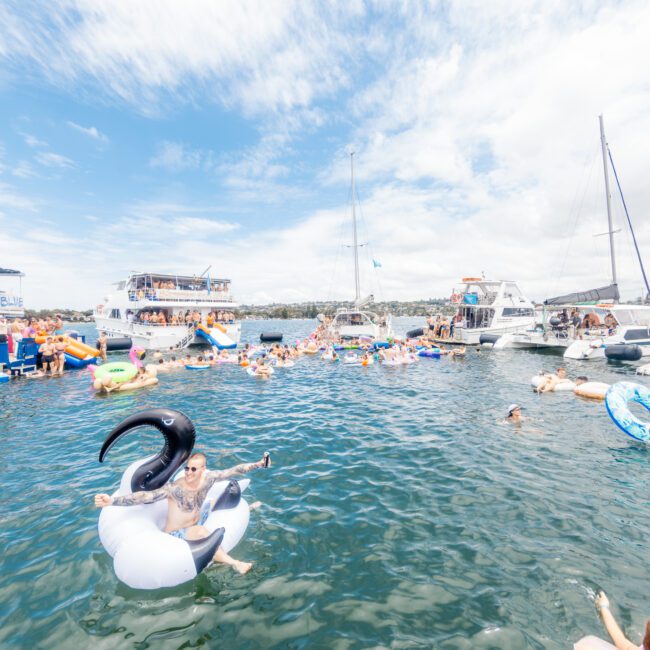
400 511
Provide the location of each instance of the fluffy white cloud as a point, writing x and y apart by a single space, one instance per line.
254 55
474 123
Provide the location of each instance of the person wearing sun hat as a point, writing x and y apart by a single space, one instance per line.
514 413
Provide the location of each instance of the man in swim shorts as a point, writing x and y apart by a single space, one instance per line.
48 359
185 516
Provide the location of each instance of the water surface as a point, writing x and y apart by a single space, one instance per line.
400 511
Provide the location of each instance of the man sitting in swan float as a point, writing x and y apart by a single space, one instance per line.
176 527
185 516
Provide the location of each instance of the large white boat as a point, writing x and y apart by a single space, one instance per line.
357 321
488 309
592 324
158 311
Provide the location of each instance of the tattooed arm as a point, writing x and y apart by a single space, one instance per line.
137 498
220 475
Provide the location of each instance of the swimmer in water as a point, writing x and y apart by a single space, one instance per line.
185 514
616 634
514 414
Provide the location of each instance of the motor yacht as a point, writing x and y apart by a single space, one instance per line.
133 309
488 309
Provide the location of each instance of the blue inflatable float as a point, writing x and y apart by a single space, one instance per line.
431 353
617 402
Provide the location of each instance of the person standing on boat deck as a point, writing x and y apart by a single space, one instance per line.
186 511
47 352
103 345
59 355
616 634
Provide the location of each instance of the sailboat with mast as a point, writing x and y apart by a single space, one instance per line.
593 324
358 321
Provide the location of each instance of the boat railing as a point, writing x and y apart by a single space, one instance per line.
179 295
139 323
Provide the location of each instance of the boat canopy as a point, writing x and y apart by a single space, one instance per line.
178 282
12 273
603 294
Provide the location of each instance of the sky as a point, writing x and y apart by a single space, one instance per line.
169 137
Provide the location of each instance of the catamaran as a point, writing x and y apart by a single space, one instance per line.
158 311
592 324
359 322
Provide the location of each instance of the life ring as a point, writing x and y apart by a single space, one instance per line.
119 371
197 366
471 279
145 557
562 385
243 364
616 401
430 353
592 389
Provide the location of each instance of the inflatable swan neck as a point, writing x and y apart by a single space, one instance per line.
203 550
179 435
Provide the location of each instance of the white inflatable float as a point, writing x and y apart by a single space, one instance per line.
145 557
564 384
592 390
593 643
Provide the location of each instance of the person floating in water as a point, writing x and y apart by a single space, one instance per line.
549 381
185 516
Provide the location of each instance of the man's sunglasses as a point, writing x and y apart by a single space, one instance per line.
192 469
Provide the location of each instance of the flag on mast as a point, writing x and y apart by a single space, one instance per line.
208 284
376 264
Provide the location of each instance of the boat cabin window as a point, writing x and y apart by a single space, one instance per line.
641 316
115 313
519 312
511 290
352 319
476 318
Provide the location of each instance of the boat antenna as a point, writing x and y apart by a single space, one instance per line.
603 144
629 223
206 270
357 288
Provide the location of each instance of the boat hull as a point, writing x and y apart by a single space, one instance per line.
159 337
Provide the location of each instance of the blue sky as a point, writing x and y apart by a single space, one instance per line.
168 136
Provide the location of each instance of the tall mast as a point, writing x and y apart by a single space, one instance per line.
357 289
603 144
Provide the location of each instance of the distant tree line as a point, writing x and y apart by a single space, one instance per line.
66 314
